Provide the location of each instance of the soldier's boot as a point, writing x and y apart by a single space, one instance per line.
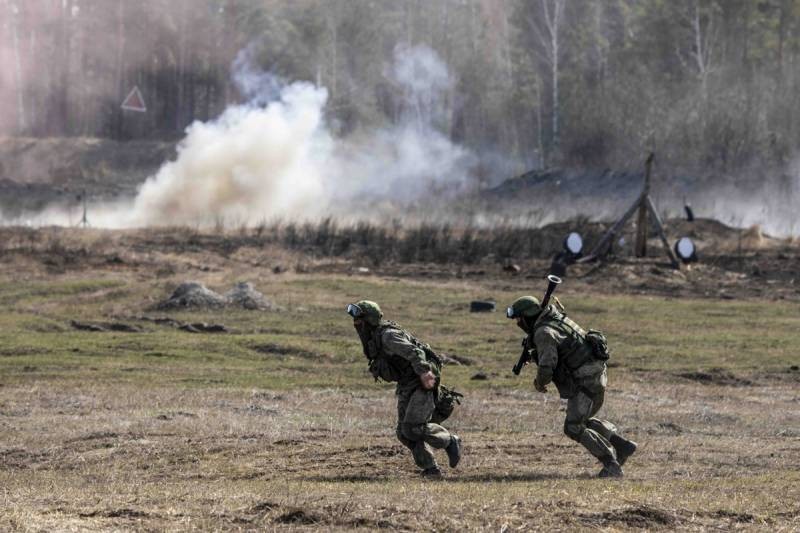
611 468
454 450
433 473
624 447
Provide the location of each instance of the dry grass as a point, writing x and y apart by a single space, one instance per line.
102 457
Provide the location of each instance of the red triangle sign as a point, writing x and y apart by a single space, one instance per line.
134 101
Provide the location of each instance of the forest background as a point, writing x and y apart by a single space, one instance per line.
711 85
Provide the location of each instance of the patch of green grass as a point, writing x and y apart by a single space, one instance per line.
18 293
313 343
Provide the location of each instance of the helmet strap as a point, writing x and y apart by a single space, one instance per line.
528 322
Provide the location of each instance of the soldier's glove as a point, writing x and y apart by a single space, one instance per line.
428 380
539 387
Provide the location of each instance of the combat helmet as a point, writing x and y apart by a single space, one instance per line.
525 306
367 310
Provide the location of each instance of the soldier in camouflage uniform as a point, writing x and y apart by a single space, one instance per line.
560 348
395 355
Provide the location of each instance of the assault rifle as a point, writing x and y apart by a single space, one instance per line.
525 357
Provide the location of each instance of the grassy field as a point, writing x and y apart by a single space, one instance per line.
277 424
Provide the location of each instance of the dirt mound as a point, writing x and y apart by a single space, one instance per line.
591 183
243 294
712 236
299 516
716 376
635 517
595 193
36 172
115 513
105 326
733 516
194 295
282 351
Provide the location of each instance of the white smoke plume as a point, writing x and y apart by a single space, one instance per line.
274 156
413 158
250 164
770 202
425 83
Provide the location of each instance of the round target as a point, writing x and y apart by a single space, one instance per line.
686 250
574 244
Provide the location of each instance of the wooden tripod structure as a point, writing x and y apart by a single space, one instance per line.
643 204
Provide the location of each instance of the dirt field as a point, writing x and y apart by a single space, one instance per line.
277 425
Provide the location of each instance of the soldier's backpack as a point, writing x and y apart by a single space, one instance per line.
594 338
430 355
383 368
445 402
597 340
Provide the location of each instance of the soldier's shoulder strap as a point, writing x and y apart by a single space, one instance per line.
561 323
430 354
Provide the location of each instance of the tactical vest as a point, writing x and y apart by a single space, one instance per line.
389 368
574 352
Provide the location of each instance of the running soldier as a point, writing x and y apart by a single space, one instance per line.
575 361
394 355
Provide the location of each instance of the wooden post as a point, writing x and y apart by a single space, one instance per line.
643 204
604 244
640 248
660 228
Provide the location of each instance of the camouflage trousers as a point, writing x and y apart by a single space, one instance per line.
414 429
582 426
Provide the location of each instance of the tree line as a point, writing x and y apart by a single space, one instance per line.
711 85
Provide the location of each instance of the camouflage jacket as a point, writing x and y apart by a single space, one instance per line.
397 356
562 353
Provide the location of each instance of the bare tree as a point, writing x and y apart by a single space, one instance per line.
546 29
21 122
704 32
119 67
180 68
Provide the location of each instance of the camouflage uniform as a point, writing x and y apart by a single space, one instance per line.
415 405
396 356
564 356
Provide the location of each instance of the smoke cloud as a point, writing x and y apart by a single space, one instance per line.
769 202
276 157
250 164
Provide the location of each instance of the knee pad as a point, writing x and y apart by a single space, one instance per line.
574 431
412 432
